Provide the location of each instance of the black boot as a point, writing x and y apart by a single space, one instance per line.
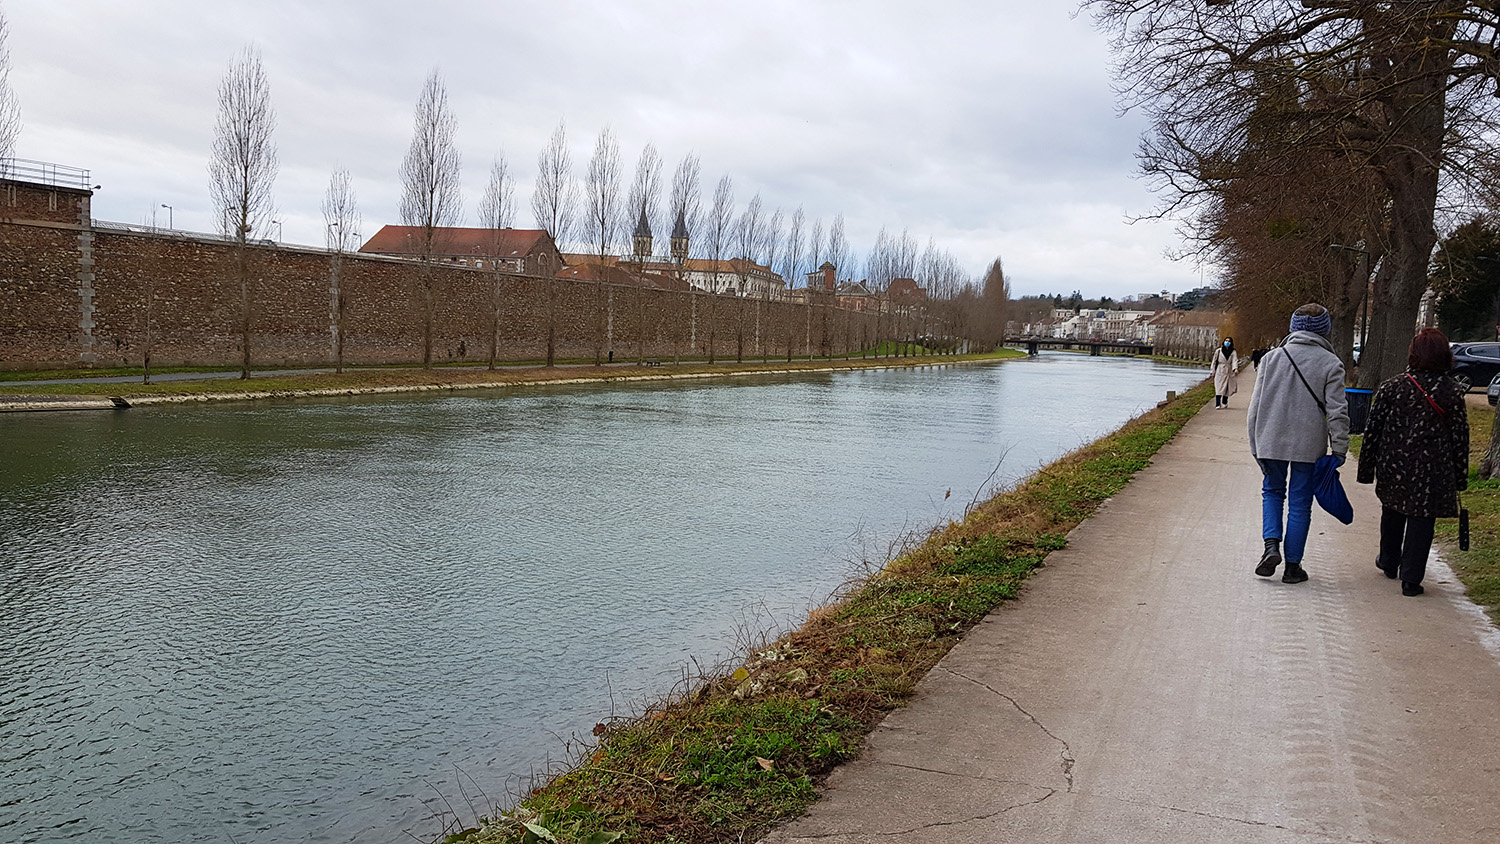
1270 559
1294 573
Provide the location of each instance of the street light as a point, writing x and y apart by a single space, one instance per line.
169 215
277 224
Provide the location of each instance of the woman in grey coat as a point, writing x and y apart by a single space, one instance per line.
1297 413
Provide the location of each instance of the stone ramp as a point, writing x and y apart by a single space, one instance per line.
1147 687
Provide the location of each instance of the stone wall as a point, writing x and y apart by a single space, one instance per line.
71 294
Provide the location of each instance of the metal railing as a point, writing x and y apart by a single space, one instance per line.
44 173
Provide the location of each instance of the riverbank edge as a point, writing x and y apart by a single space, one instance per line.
737 752
444 380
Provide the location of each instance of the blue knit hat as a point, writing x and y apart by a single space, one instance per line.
1322 323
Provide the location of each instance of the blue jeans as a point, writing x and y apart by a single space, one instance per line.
1273 499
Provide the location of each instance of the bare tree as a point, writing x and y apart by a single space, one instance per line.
341 223
720 226
792 269
430 185
769 251
602 201
643 205
816 252
553 203
746 239
687 211
10 107
838 246
242 168
497 208
1405 88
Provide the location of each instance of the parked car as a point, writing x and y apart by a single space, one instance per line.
1494 390
1475 363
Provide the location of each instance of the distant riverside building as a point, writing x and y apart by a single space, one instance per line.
1187 334
698 273
525 251
1102 324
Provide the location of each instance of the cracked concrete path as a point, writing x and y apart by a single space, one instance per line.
1147 687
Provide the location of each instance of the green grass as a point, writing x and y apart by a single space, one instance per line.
744 751
1479 567
457 376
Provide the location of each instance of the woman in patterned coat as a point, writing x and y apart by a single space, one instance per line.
1416 451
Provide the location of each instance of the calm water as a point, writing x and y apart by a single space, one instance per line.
302 621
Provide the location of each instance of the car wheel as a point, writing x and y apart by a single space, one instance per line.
1463 382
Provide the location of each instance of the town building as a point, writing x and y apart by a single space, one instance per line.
525 251
1192 335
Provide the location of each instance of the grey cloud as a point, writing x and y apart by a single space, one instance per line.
987 125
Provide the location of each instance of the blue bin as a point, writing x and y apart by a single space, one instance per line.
1359 408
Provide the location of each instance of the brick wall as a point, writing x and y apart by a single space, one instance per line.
187 290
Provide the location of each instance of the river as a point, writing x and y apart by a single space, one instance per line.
327 620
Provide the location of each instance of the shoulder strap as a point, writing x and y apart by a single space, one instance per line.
1425 395
1310 390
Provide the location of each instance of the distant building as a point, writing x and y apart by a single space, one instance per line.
1192 335
525 251
906 291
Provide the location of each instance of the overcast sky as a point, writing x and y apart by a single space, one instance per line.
988 126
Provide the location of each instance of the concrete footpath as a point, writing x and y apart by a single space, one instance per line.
1148 687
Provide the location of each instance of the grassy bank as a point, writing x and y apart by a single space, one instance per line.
465 377
740 752
1479 567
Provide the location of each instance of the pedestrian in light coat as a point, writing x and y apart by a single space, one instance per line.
1225 371
1416 452
1297 414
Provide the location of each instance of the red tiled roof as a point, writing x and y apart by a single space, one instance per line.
499 243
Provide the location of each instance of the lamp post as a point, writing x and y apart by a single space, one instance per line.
169 215
277 224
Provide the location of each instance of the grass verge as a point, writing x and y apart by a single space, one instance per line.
464 377
1479 567
461 377
744 751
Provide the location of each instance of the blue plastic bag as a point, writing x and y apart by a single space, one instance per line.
1329 491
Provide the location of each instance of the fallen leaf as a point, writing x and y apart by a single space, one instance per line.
767 764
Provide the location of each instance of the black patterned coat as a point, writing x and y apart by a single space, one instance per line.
1417 457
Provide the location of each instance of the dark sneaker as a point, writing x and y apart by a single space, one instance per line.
1268 562
1411 590
1294 573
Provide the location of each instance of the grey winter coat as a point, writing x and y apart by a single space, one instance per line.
1285 421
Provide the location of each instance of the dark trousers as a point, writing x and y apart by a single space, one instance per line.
1405 541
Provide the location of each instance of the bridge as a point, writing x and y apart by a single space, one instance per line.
1094 347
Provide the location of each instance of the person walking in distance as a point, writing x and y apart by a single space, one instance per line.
1416 452
1297 413
1225 372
